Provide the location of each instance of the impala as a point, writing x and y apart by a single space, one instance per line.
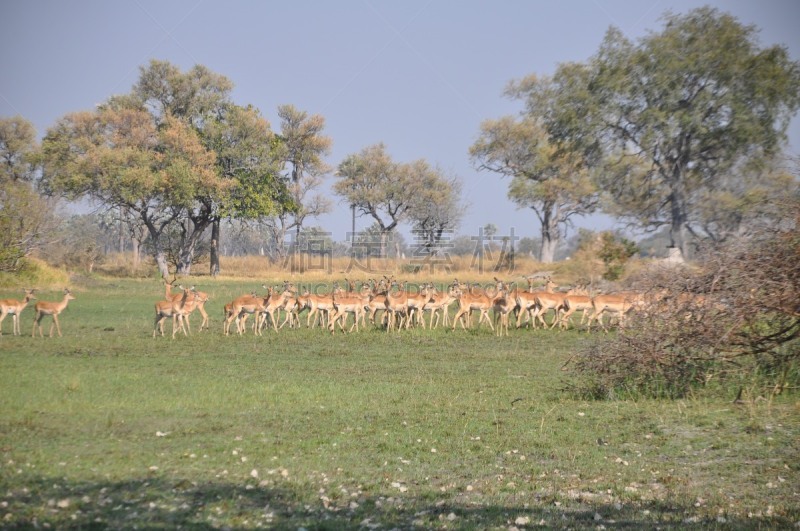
618 303
415 304
344 303
171 308
572 304
199 305
272 304
318 306
240 308
50 308
502 305
14 308
396 303
526 300
440 302
545 301
378 302
473 300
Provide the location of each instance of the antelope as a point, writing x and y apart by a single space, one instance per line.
396 303
574 302
502 305
441 302
526 300
171 308
548 300
272 304
50 308
227 312
318 306
467 302
415 304
619 303
201 299
378 302
292 307
240 308
348 303
14 308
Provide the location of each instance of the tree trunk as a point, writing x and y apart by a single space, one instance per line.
136 258
550 237
384 234
186 255
214 257
677 235
158 251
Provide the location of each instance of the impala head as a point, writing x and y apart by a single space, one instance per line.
68 295
29 294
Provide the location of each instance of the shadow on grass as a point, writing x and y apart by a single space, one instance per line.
160 503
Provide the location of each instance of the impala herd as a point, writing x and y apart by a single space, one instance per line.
388 303
393 306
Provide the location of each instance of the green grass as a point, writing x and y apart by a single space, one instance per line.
107 427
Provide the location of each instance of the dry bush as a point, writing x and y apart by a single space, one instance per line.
732 317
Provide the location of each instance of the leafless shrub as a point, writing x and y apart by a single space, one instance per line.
734 317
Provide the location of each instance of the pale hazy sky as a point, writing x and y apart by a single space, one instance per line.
418 75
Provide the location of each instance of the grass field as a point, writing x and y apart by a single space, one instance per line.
107 427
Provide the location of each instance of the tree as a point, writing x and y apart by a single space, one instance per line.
121 158
25 217
302 147
549 178
247 156
196 98
437 208
377 187
678 110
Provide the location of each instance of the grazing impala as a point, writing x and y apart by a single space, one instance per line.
14 308
50 308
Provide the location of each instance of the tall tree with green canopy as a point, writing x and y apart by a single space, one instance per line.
119 157
387 191
301 148
195 97
25 216
676 112
552 181
247 153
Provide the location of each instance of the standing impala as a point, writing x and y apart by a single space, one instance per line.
14 308
50 308
175 309
200 300
473 300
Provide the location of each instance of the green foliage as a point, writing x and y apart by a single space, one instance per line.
546 176
32 272
614 252
664 107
